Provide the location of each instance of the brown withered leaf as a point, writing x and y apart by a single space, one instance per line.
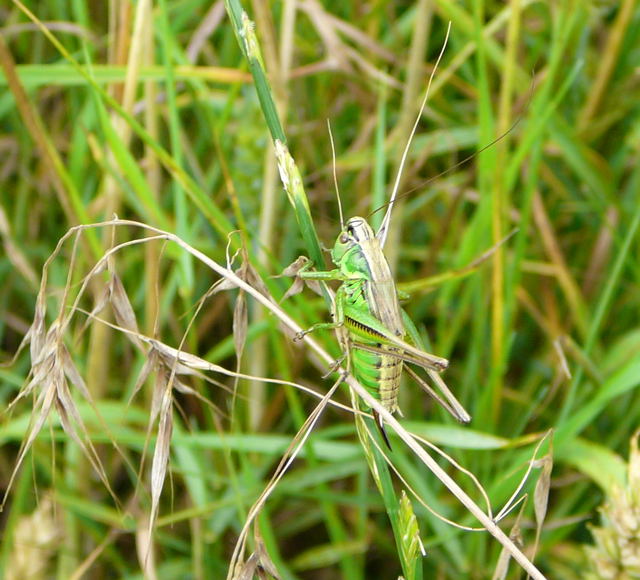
122 309
183 363
295 288
258 564
161 453
541 491
240 324
249 274
101 301
150 365
292 270
314 286
220 285
49 373
515 535
145 549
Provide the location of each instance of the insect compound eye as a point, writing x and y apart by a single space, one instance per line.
344 238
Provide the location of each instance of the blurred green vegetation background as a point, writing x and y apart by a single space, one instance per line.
149 111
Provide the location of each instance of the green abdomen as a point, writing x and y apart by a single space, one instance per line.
378 373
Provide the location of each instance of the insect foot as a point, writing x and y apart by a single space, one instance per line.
335 365
300 335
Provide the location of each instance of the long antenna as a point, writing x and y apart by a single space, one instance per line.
384 226
465 160
335 177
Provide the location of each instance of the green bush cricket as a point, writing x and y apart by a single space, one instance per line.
366 306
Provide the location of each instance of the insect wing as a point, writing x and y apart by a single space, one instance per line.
368 326
419 358
381 289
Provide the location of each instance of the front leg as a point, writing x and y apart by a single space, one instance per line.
307 274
